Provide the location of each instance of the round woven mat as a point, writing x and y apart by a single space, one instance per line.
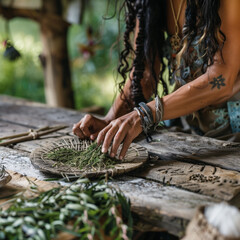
5 177
134 158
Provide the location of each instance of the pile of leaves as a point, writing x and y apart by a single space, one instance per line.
85 210
90 159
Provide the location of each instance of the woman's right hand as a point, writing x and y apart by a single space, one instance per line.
89 127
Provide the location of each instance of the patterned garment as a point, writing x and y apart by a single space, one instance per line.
220 121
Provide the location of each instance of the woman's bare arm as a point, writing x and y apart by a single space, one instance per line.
217 85
89 126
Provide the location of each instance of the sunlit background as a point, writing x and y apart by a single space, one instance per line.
93 76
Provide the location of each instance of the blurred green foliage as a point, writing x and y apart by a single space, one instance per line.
92 76
23 77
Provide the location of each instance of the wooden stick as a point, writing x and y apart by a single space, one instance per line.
23 134
32 135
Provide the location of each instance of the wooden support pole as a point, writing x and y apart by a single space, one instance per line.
58 88
54 58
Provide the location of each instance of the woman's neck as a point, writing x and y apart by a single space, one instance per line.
171 25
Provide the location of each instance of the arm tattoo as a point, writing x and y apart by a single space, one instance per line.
218 82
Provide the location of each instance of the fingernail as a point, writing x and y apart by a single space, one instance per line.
112 155
121 157
92 137
104 150
74 125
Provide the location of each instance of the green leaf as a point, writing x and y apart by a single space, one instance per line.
73 206
71 198
2 235
29 219
41 234
17 223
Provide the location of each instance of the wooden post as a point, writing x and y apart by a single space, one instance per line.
55 61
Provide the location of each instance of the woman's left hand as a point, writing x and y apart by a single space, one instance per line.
121 130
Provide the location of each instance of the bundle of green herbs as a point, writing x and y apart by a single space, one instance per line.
90 159
85 210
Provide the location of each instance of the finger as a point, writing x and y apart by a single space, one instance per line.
126 144
85 124
120 135
102 134
94 136
85 129
77 131
108 138
75 126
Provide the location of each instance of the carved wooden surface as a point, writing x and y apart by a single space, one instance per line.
194 149
170 208
165 192
205 179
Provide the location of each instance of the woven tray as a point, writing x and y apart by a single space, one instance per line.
135 157
4 177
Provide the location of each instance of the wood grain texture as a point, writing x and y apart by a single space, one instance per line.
19 162
205 179
192 165
22 184
194 149
164 207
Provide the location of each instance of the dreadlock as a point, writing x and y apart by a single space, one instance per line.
201 20
148 44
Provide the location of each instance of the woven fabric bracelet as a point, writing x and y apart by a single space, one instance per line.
144 123
148 113
147 121
158 111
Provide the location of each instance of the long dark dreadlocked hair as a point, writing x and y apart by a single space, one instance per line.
201 19
149 43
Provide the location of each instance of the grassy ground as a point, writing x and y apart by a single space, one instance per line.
93 77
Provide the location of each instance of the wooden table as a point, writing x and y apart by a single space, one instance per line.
183 172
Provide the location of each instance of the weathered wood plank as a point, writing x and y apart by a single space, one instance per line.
162 206
30 146
21 183
19 162
204 179
18 115
194 149
35 115
7 128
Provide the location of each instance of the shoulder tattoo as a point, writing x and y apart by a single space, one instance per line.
218 82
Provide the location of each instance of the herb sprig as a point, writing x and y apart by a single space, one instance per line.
91 158
84 209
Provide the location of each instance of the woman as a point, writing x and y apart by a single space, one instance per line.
205 65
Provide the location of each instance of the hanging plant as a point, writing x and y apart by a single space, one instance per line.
10 53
